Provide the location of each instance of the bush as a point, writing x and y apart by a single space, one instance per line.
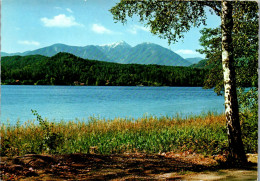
51 140
248 102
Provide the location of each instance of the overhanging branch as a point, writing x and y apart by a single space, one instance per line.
213 6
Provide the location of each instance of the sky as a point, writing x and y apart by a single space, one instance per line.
32 24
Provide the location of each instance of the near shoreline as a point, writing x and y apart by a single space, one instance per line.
120 149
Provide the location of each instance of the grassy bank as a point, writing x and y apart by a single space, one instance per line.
202 134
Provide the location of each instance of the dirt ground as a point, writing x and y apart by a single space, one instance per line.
128 166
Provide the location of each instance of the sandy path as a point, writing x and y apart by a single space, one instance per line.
134 166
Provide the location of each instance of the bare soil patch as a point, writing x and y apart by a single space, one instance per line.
128 166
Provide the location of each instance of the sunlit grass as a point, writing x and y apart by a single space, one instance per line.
203 134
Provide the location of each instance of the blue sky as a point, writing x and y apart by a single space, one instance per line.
32 24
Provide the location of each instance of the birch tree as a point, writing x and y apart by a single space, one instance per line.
170 20
231 104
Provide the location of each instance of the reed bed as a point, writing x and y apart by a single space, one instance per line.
204 134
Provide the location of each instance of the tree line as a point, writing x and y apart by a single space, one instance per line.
67 69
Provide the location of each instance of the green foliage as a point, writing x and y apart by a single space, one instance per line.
50 140
168 19
182 15
245 43
202 64
248 101
67 69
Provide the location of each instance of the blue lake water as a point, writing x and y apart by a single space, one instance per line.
69 102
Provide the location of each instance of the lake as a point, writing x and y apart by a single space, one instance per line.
69 102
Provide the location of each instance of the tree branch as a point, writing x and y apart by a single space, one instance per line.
213 6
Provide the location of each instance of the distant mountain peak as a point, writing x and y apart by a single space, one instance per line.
147 43
58 45
119 43
118 52
122 42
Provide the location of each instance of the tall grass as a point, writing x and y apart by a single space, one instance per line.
202 134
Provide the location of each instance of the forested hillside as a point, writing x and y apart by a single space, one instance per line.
67 69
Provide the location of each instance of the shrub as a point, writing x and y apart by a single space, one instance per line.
248 101
50 140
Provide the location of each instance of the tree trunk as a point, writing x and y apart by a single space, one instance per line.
236 147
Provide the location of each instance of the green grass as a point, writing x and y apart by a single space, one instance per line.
202 134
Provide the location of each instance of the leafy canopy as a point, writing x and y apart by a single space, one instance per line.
172 19
168 19
245 43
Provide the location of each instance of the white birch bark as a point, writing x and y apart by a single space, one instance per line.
231 105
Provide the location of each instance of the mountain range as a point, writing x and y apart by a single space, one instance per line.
119 52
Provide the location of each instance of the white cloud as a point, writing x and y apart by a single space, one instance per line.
135 28
60 20
69 10
100 29
26 42
186 52
62 9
